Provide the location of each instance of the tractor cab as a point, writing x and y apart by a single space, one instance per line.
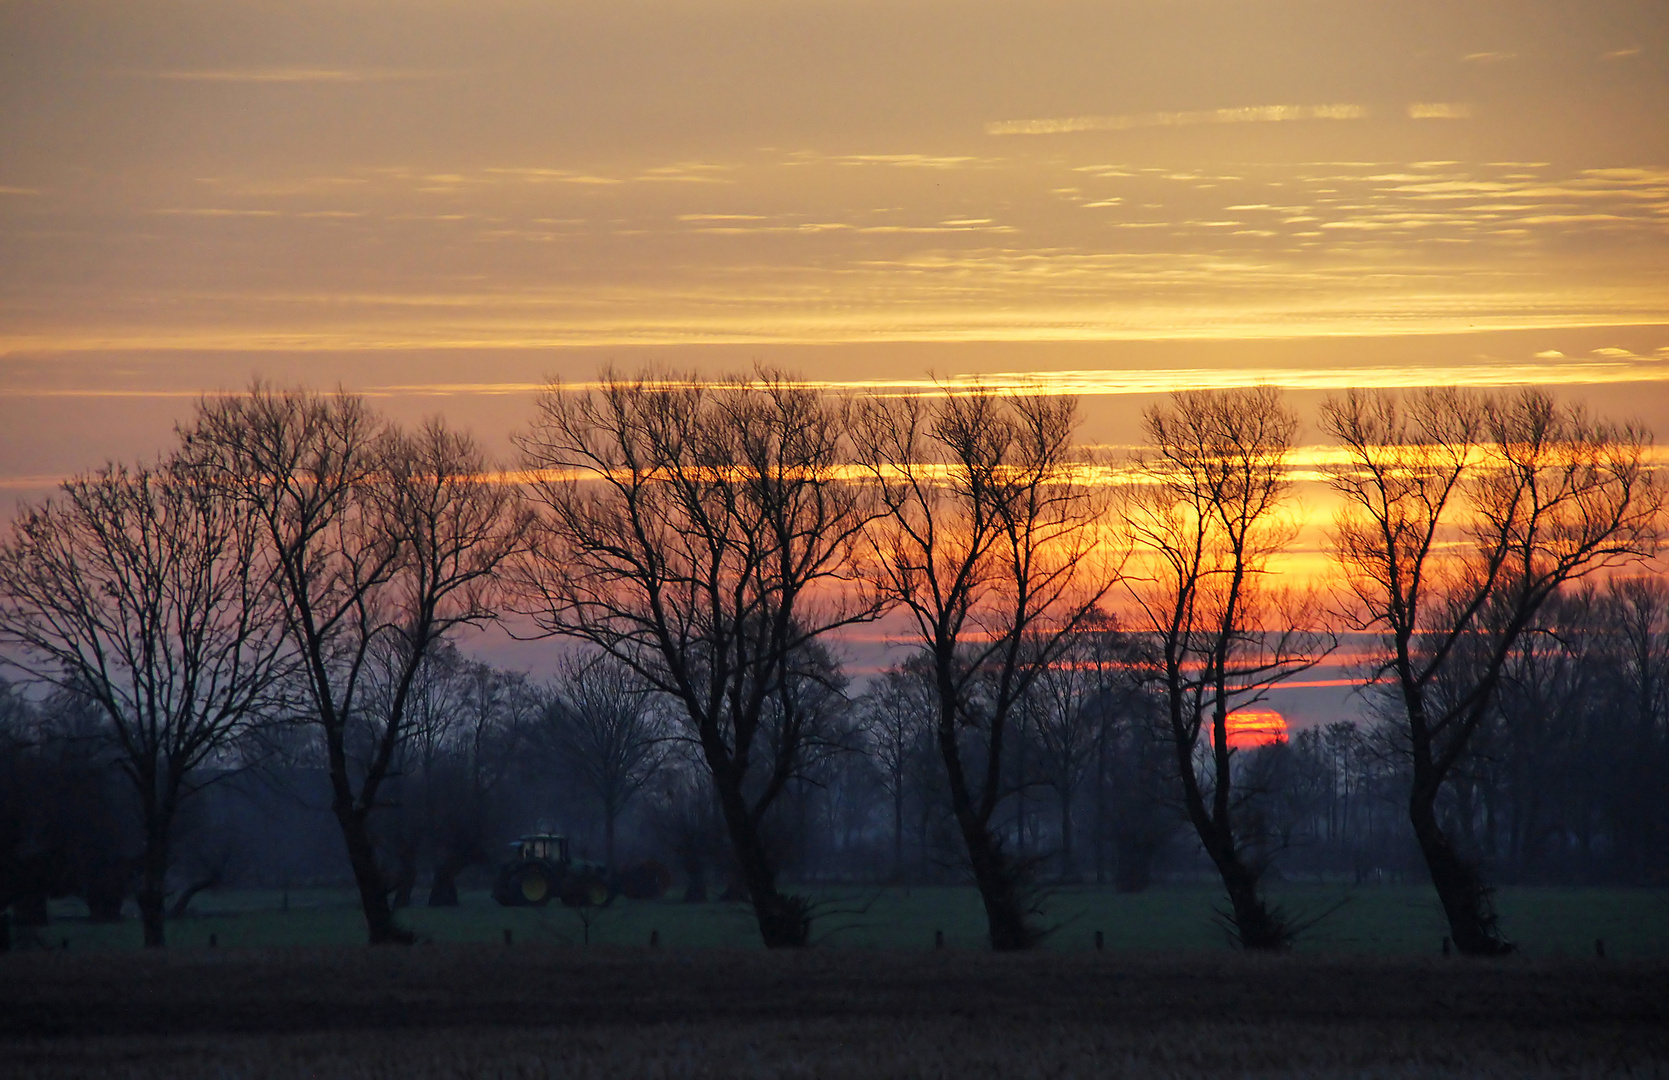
546 846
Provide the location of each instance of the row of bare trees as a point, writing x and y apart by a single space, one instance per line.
295 556
299 558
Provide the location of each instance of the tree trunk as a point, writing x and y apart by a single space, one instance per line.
151 898
999 886
1467 901
1069 867
1133 872
443 890
1258 926
784 920
107 889
995 875
157 801
898 832
1020 793
405 879
1100 831
380 926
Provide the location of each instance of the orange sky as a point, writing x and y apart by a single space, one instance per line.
442 203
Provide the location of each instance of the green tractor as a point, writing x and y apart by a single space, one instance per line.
542 869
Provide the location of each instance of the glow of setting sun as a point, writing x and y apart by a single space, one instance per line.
1249 729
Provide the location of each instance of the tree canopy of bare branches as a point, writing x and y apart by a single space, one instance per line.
602 725
992 544
471 726
1463 516
381 543
704 534
1207 515
1075 699
894 717
140 592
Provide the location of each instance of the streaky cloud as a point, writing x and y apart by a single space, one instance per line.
290 75
1438 110
1250 114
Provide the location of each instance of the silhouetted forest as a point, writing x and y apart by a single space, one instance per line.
239 666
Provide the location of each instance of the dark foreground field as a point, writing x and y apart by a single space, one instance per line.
468 1011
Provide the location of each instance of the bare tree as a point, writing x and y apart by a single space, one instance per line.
603 728
687 820
1638 625
142 593
896 716
1074 698
470 727
1105 699
498 714
381 542
704 535
1463 515
1207 514
64 824
992 544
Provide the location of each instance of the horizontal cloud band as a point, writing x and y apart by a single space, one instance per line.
1250 114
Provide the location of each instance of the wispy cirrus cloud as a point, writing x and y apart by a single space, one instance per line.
549 176
288 75
1438 110
215 212
686 172
1249 114
940 162
1106 250
1606 366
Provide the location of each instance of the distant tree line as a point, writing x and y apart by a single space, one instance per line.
268 620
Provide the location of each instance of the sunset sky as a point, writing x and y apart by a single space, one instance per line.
443 203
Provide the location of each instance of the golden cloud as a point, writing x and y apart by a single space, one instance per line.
1251 114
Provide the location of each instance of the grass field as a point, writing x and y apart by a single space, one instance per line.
448 1012
1383 920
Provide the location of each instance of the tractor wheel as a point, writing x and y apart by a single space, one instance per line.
534 886
597 893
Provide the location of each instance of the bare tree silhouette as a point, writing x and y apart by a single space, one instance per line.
144 593
992 544
704 535
1463 516
1207 515
381 542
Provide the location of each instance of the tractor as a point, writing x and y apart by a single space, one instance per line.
542 869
